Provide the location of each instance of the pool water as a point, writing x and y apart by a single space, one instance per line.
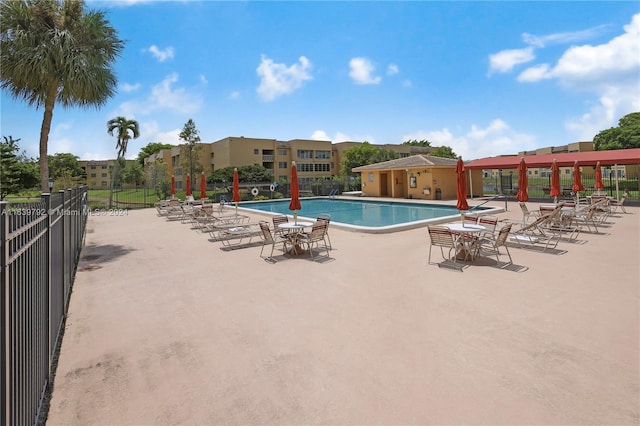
362 214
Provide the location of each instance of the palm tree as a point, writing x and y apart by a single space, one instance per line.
56 51
121 126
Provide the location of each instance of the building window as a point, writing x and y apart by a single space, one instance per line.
322 167
256 151
103 175
325 155
282 152
282 164
104 167
93 167
370 177
305 153
104 183
93 175
305 167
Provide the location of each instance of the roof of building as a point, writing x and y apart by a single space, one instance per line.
588 158
408 162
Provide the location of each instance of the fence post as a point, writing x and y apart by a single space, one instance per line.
4 344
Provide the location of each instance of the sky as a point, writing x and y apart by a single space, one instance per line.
484 78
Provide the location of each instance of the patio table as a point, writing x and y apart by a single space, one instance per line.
293 230
466 236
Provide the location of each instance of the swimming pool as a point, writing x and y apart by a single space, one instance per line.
366 215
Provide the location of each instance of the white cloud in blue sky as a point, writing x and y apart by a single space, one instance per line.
362 71
277 79
161 54
518 76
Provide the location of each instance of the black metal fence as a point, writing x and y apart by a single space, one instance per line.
539 188
41 243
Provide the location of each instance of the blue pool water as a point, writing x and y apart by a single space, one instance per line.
360 213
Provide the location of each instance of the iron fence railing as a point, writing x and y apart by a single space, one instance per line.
39 252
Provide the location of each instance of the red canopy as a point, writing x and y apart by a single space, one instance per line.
462 186
555 179
236 187
294 204
599 184
188 184
523 182
577 179
203 186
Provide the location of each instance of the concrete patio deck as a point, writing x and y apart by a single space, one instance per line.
164 327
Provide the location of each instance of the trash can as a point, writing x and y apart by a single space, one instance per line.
438 194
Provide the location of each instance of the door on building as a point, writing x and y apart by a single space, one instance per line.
384 189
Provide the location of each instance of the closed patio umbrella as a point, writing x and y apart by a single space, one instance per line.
173 186
461 186
203 186
577 181
599 184
294 204
555 181
523 182
188 184
236 188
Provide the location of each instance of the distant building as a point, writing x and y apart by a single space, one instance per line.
98 172
315 159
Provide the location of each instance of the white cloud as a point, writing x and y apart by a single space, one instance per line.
278 79
478 142
203 79
392 69
407 83
610 70
127 88
163 96
362 71
161 55
505 60
536 73
321 135
561 38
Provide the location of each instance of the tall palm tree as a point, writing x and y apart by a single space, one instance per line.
121 126
56 51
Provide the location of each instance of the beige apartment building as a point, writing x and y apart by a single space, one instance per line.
546 171
315 159
98 172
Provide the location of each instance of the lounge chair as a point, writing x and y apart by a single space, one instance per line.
492 244
268 238
619 204
535 234
235 235
526 213
588 219
442 237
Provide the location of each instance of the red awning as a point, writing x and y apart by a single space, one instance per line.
566 159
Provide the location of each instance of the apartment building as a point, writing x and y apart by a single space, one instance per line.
315 159
546 172
98 173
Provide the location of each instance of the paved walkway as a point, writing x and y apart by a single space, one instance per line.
164 327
